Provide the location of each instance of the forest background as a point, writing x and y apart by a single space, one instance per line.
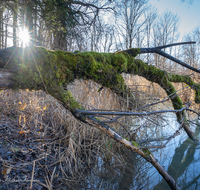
99 26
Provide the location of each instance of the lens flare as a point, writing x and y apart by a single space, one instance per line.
24 37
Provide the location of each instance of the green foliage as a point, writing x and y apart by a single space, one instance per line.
135 143
59 14
147 152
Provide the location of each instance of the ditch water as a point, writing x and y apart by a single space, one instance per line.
180 158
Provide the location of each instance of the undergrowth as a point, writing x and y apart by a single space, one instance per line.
47 146
42 146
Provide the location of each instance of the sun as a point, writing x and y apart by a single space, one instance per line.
24 37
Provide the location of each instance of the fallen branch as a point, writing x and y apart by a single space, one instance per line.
36 68
162 53
85 112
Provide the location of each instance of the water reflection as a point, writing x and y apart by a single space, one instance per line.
134 175
182 163
180 158
184 166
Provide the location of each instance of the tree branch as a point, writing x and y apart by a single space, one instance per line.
154 49
83 112
36 68
158 51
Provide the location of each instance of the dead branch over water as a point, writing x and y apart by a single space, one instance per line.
11 59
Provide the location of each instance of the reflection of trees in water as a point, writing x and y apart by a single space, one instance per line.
183 157
137 173
191 183
134 174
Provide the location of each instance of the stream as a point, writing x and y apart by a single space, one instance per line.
180 158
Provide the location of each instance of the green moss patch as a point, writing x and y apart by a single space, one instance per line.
42 69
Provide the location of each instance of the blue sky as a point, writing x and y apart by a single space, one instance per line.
189 15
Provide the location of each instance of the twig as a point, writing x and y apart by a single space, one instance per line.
174 135
156 139
194 123
32 175
149 147
146 50
158 51
130 113
177 61
101 184
114 120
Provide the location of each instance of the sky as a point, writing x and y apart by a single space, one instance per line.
189 15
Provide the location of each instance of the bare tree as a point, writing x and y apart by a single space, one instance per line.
108 39
130 19
15 26
165 30
150 17
1 26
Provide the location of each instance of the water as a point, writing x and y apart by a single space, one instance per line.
180 158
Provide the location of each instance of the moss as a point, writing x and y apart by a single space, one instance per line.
132 51
120 62
68 98
100 89
76 51
135 143
188 81
147 152
41 69
196 87
135 52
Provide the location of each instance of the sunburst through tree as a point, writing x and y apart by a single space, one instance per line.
24 37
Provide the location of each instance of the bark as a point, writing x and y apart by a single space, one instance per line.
1 29
36 68
15 27
29 19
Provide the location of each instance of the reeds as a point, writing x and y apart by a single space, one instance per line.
49 147
49 141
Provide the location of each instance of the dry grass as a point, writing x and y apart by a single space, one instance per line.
50 147
148 92
41 134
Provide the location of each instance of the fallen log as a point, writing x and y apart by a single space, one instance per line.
36 68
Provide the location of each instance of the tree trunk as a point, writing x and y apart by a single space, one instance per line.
15 28
29 20
36 68
1 29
